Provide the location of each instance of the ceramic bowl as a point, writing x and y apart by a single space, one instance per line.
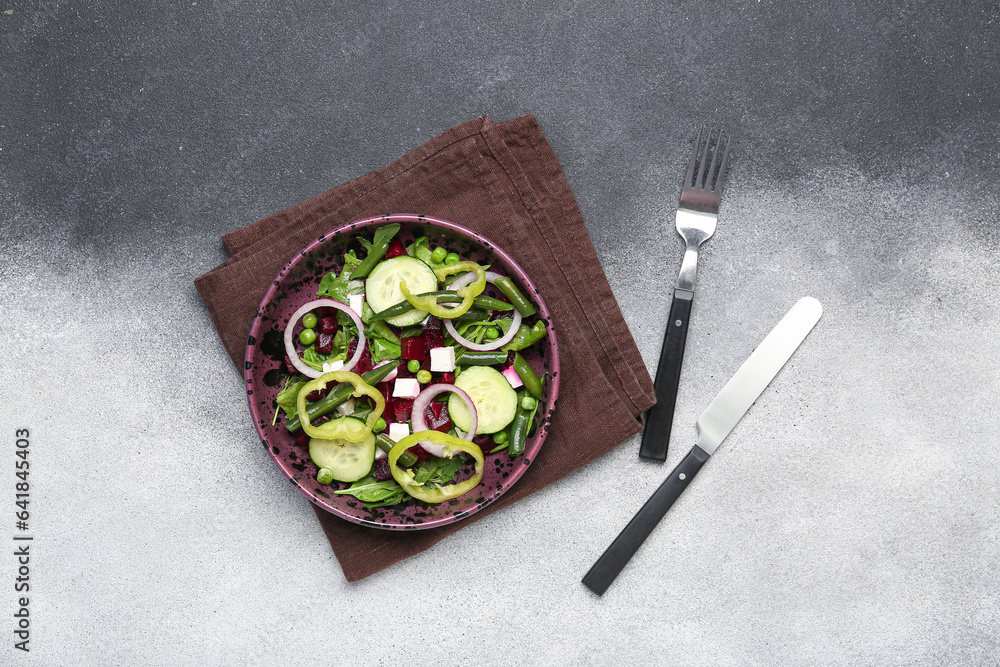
265 375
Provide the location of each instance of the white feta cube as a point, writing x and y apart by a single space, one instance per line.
398 431
406 388
331 366
443 359
346 408
356 302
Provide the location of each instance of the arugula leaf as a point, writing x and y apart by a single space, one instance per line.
421 249
384 234
382 350
437 470
375 494
286 398
339 288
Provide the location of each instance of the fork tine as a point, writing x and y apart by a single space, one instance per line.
709 185
722 167
694 159
700 183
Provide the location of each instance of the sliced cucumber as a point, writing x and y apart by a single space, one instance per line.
382 287
495 400
347 461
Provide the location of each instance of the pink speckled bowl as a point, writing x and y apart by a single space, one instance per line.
295 285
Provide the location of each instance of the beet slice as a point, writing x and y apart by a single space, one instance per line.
328 324
413 348
396 248
324 343
403 407
382 471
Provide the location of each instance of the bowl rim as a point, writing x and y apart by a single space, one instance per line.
352 227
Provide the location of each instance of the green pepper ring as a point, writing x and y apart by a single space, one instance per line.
336 429
441 493
468 293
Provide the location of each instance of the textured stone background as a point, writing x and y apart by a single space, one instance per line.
851 518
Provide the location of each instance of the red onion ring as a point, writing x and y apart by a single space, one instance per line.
462 281
420 403
293 355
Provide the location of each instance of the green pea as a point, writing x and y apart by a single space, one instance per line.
439 255
307 337
500 437
380 425
423 377
492 334
309 320
324 476
452 258
413 365
529 403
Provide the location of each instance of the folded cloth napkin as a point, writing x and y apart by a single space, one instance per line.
503 181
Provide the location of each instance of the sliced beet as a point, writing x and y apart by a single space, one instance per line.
448 377
433 336
413 348
382 471
437 418
389 410
419 452
403 407
328 324
364 361
324 343
396 248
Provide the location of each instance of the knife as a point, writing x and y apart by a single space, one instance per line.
722 414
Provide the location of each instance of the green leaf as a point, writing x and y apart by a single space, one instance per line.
384 234
382 350
375 494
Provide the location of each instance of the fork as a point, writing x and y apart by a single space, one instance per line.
696 218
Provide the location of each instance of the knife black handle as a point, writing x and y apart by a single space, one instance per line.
614 559
660 418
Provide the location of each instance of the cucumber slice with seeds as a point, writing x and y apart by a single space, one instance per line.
347 461
495 400
382 287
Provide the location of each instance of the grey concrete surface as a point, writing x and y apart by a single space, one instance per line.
852 518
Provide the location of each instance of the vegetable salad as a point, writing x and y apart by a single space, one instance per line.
407 371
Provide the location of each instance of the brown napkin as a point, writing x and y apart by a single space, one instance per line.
502 180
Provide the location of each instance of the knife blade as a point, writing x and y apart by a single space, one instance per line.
718 420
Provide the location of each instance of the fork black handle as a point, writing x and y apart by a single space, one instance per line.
660 418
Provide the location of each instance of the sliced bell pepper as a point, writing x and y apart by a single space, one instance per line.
452 445
347 429
469 292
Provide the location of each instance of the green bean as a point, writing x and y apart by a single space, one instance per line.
509 289
528 376
338 395
476 358
518 432
444 296
375 254
526 337
405 460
